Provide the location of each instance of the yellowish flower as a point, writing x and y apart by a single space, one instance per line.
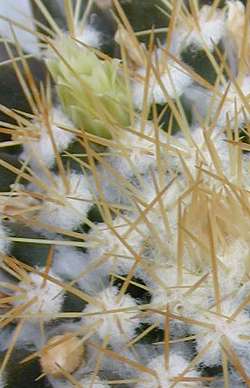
92 91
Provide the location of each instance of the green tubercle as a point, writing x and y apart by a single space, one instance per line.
91 91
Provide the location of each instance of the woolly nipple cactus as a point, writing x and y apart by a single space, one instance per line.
125 199
92 91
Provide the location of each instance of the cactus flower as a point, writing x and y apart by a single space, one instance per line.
91 91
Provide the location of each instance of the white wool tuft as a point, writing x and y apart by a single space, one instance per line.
177 365
83 383
48 296
89 36
19 13
166 291
120 256
118 326
228 106
111 189
4 244
233 330
174 79
210 31
138 149
198 153
98 383
198 99
2 381
66 209
39 151
233 105
70 263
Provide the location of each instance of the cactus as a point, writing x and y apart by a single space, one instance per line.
124 229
